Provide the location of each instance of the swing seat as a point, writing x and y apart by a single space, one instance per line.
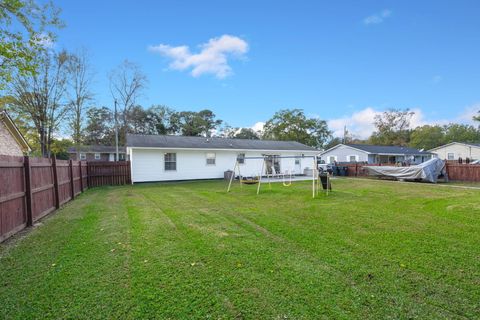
249 180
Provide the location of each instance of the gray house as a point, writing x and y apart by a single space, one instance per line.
374 154
96 153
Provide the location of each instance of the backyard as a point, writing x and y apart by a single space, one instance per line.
370 249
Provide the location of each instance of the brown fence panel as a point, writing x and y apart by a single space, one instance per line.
13 216
77 183
42 187
30 188
84 171
64 185
463 172
108 173
356 169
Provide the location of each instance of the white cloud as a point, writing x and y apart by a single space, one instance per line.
258 126
436 79
378 17
468 113
360 123
211 59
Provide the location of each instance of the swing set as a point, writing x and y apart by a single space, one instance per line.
268 171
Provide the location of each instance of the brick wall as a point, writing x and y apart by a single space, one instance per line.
8 144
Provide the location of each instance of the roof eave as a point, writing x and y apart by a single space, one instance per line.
222 149
15 132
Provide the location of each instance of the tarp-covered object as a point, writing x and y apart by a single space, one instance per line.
427 171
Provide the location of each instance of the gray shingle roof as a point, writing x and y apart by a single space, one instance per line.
97 149
476 145
388 149
473 144
163 141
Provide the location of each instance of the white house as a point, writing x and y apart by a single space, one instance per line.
163 158
373 154
456 150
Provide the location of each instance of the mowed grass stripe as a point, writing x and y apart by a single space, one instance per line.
202 200
73 257
245 254
189 250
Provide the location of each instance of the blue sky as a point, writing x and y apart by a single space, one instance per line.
342 61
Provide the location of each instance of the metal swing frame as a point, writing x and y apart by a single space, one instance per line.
315 177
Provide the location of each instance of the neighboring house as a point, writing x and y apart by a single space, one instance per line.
12 142
456 150
161 158
374 154
96 153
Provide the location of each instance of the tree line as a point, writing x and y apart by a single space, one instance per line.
50 94
394 128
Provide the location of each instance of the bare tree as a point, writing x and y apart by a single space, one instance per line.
40 97
127 82
392 127
80 80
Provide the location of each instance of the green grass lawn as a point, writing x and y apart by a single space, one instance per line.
188 250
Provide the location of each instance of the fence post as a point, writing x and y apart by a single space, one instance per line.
72 184
81 175
28 189
55 182
89 183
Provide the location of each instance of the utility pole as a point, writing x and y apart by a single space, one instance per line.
344 134
116 131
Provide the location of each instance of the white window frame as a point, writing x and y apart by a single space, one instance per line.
450 153
334 157
208 156
352 155
169 161
97 156
83 156
241 158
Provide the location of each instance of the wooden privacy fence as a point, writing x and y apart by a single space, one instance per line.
31 188
108 173
463 172
455 171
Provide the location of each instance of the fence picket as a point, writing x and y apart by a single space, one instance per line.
28 190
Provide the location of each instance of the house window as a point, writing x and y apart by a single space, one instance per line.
352 158
241 158
83 156
297 161
332 159
97 156
210 158
450 156
170 161
121 156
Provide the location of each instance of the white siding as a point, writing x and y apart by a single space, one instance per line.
459 150
342 154
148 164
